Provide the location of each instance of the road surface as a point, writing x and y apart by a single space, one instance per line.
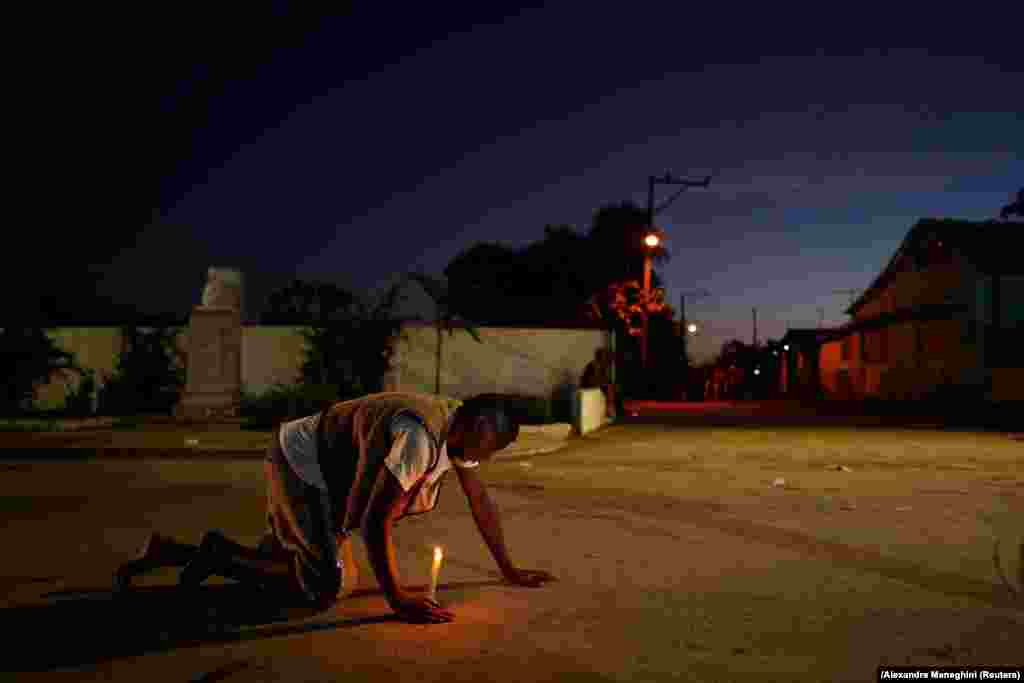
680 556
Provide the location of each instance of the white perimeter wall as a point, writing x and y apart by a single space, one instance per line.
528 361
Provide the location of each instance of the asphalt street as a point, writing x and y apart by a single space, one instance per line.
683 553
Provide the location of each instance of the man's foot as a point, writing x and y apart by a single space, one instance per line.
206 562
157 551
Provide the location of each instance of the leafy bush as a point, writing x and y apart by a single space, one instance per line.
537 411
31 426
147 378
28 358
79 401
349 341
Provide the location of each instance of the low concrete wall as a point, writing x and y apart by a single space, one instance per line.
538 362
271 354
590 411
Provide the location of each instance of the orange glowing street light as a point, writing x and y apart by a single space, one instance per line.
651 242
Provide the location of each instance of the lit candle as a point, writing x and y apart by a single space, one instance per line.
434 571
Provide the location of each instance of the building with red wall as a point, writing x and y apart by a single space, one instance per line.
947 310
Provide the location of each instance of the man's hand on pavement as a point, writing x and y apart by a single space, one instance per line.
421 610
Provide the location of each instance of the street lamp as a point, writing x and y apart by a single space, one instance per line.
652 239
691 328
651 242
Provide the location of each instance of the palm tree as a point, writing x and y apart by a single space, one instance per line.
444 317
1014 208
375 331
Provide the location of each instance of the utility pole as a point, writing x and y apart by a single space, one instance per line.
755 326
821 317
668 179
652 211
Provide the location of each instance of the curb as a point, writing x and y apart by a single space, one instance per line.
534 440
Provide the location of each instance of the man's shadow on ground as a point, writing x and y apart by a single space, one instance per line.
84 626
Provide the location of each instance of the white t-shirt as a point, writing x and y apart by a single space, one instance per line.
412 451
298 441
411 454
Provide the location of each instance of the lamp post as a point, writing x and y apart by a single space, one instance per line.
652 239
696 293
651 242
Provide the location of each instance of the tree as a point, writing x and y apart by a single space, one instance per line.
628 303
349 340
444 317
551 280
479 278
375 330
305 302
1014 208
543 281
28 359
622 307
147 377
616 239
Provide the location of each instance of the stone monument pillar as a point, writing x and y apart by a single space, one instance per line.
214 375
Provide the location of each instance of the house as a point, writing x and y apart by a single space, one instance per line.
799 376
947 310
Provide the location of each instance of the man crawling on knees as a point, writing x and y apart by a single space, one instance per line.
357 466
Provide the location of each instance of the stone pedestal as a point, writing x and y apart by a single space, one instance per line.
214 378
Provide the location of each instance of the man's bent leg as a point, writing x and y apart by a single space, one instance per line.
219 555
158 551
301 528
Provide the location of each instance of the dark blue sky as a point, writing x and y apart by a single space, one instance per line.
354 148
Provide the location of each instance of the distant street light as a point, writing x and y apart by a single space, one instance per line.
691 328
786 347
652 240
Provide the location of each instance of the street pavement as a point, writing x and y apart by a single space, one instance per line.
678 554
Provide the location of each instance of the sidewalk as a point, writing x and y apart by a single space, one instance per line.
537 440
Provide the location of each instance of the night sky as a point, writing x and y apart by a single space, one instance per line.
355 147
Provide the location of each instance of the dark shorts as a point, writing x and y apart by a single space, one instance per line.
301 528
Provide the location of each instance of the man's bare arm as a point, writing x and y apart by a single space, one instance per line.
485 513
386 504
